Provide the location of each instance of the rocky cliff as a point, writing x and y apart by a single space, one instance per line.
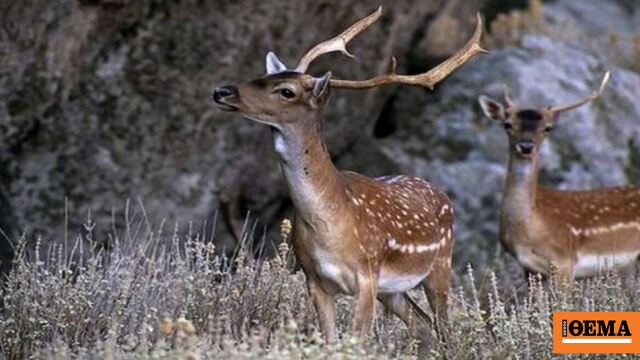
109 100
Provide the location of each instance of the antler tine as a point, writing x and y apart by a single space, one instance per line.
507 96
594 95
338 43
427 79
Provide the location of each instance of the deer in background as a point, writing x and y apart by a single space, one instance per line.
373 238
576 233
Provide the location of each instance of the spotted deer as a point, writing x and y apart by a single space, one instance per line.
574 233
373 238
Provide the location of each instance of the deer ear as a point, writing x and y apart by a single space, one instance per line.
493 109
274 65
321 85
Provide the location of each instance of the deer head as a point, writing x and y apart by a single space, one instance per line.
287 96
527 128
280 98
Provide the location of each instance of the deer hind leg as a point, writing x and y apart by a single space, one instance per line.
326 310
436 287
365 304
413 316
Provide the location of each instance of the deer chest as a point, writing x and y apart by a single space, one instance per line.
517 238
530 259
331 269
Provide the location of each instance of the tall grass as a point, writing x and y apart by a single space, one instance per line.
146 298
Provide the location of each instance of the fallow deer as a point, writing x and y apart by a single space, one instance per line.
576 233
366 237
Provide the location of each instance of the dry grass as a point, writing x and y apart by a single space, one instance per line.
183 300
508 29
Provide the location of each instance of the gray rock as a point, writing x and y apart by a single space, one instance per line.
596 18
110 100
610 27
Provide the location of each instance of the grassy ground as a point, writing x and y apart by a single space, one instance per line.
182 300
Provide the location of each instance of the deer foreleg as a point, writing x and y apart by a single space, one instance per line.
326 309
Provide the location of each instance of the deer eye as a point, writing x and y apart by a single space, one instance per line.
548 129
286 93
507 126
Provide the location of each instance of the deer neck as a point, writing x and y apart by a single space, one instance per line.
315 184
518 203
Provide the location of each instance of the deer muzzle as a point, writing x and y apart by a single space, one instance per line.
525 148
226 97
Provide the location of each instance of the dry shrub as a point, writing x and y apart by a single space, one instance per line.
184 300
508 29
623 50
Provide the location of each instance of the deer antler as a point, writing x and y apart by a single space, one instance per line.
427 79
594 95
338 43
507 96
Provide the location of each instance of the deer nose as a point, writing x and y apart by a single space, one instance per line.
525 147
224 92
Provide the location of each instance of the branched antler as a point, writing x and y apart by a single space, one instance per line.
594 95
427 79
507 96
338 43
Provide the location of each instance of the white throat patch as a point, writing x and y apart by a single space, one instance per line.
279 144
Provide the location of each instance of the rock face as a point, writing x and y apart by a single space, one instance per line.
610 28
597 19
109 100
449 141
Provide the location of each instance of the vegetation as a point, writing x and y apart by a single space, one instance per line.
508 29
183 300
